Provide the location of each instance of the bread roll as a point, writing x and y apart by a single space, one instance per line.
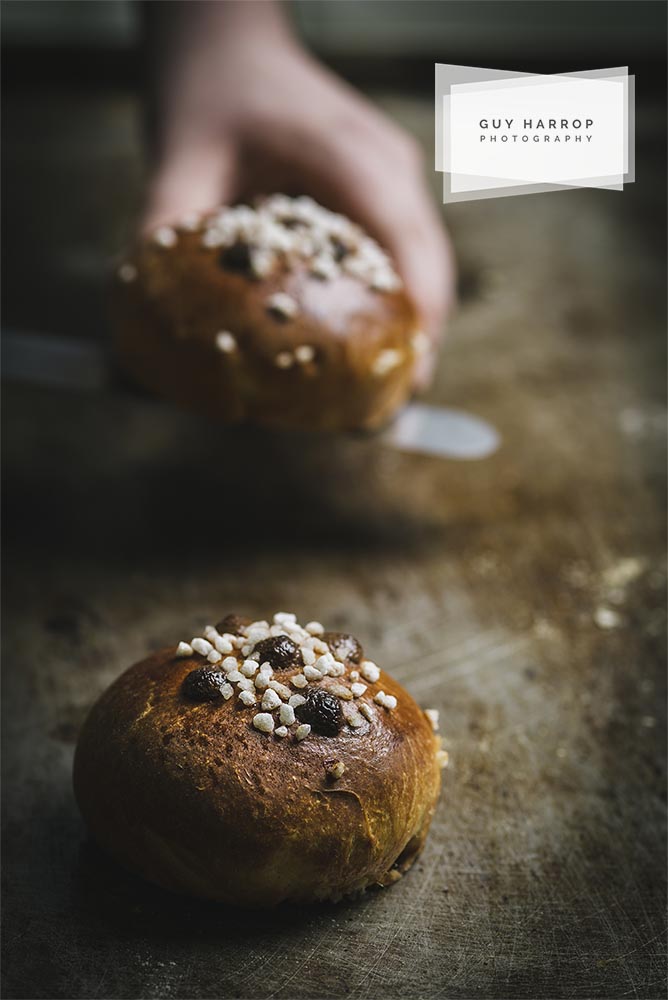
260 763
284 315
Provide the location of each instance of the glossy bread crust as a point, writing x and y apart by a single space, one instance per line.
173 302
190 796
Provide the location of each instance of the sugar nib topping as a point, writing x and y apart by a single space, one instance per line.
322 711
335 684
280 232
205 684
334 769
280 652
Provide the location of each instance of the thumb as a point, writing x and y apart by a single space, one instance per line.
190 181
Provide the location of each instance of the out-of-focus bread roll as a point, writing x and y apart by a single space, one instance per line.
282 314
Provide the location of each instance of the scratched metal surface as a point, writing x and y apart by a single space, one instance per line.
524 597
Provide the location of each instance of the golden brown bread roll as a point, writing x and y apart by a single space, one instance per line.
284 314
258 764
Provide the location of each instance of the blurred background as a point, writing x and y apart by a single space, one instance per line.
523 596
72 73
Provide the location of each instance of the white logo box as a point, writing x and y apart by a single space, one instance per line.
503 133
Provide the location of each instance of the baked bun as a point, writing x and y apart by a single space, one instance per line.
258 764
284 314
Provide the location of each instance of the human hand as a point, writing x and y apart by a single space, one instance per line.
245 110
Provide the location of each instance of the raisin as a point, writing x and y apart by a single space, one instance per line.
236 258
322 711
280 651
232 624
204 684
344 646
340 250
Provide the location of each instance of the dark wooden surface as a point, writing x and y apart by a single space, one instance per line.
523 596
